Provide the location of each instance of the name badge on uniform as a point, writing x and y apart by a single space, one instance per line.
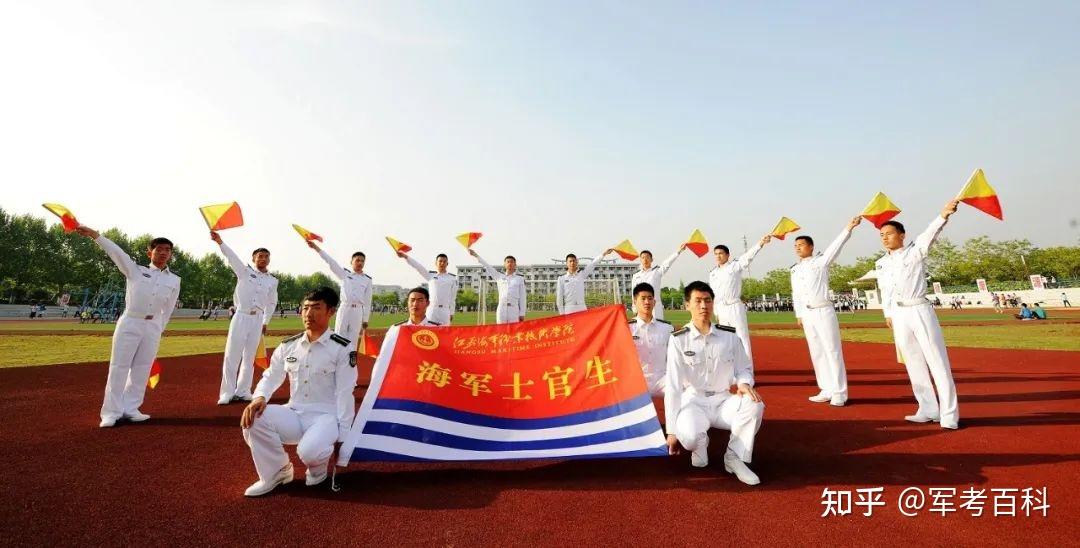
252 276
352 359
689 353
636 337
291 359
145 275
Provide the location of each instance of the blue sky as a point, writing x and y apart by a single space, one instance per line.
549 126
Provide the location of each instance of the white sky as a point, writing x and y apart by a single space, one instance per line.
551 127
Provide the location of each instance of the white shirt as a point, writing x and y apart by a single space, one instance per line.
255 290
726 279
511 287
654 277
810 277
703 364
570 288
149 292
322 375
902 272
355 288
442 287
651 340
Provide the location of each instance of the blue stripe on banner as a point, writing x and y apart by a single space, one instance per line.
374 455
432 437
476 419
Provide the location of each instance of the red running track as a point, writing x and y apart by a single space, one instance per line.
179 478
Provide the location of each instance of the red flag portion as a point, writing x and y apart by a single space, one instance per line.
222 216
155 375
67 218
626 250
467 239
978 194
368 347
399 246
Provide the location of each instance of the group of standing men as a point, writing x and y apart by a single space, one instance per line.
692 367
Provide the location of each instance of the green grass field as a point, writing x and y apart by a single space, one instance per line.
292 323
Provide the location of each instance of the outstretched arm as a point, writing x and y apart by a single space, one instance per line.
495 274
424 273
834 248
666 265
334 266
929 236
594 263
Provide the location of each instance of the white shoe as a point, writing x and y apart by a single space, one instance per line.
260 488
699 457
952 426
313 478
734 465
246 398
837 401
920 418
107 423
136 416
820 397
224 400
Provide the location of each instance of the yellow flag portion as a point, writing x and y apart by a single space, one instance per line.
784 227
626 250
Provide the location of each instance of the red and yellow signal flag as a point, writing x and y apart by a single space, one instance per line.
978 194
262 359
222 216
155 375
467 239
880 210
697 243
306 234
67 218
399 246
626 250
368 346
784 227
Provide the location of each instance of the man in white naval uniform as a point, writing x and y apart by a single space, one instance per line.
355 310
321 368
651 336
726 282
814 312
255 299
653 275
512 300
703 362
149 300
570 287
443 287
902 279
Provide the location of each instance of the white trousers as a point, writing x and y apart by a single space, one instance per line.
571 308
439 314
245 330
134 346
508 313
738 414
918 335
735 316
313 434
823 337
349 321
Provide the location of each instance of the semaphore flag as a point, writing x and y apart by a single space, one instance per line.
222 216
562 387
67 218
978 194
880 210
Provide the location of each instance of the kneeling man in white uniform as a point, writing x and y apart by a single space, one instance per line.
704 361
321 367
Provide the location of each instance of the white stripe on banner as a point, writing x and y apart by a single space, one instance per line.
428 422
436 452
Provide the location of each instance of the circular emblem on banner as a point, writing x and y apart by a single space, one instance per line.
426 339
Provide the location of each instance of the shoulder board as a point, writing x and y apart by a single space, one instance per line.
682 331
451 274
291 339
519 275
339 339
632 320
432 272
663 321
727 328
794 265
366 276
434 323
402 322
